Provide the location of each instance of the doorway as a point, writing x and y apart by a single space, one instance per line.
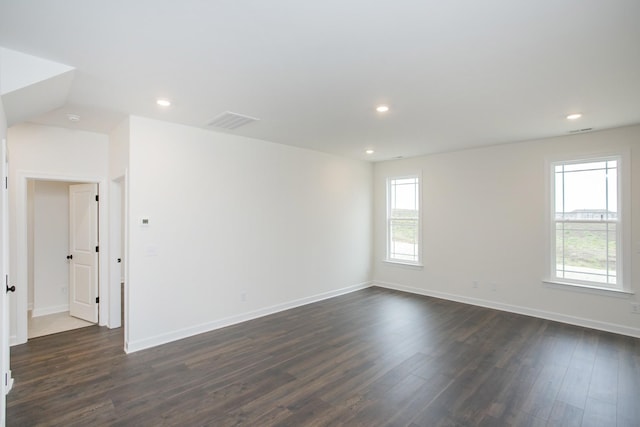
117 260
21 308
57 302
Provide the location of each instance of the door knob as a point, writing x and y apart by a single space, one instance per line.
69 256
10 288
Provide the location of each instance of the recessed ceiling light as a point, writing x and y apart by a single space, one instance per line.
369 151
73 118
574 116
382 108
163 102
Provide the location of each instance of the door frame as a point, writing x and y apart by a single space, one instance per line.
118 245
21 274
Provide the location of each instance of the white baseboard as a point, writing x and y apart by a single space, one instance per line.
37 312
548 315
133 346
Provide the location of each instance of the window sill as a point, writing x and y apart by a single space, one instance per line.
404 264
590 289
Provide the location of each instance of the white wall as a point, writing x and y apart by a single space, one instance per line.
232 216
119 150
484 220
51 153
50 247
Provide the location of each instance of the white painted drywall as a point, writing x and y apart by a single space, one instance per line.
51 153
119 150
20 70
32 86
232 216
50 247
484 220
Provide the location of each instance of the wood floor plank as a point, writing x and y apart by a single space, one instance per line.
565 415
375 357
575 385
544 391
604 380
628 408
598 414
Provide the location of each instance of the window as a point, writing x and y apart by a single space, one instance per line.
403 220
586 229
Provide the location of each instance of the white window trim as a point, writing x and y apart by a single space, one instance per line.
400 262
623 269
405 264
589 289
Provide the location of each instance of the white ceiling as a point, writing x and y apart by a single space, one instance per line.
455 74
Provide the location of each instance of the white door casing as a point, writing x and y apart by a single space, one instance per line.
83 251
117 255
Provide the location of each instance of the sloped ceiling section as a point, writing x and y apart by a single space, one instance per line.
31 86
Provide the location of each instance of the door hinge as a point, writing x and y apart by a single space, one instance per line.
97 300
97 198
97 248
6 182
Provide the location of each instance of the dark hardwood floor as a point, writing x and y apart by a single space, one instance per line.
374 357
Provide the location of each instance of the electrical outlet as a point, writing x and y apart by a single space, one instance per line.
475 284
635 308
63 290
493 287
243 296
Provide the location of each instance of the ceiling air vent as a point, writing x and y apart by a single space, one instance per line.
229 120
581 130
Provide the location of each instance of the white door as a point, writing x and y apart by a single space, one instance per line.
83 253
7 381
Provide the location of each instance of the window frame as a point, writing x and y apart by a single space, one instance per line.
623 241
418 263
